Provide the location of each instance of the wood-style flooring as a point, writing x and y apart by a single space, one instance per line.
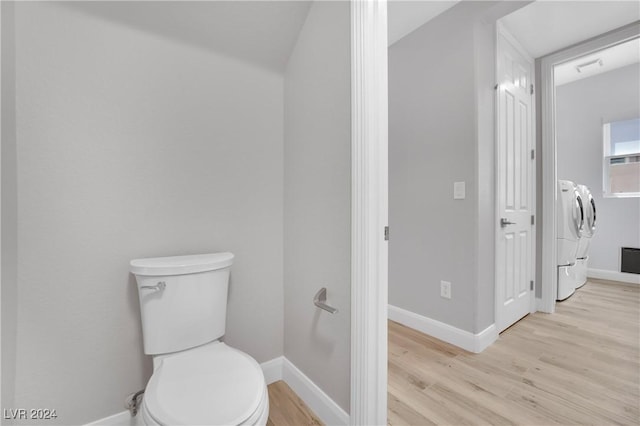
578 366
287 409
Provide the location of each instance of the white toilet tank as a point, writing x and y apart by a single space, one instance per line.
183 300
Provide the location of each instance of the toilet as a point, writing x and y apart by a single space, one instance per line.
197 379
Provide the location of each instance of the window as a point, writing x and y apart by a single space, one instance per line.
621 171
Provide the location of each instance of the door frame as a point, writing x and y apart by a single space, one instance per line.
549 278
1 207
369 212
502 31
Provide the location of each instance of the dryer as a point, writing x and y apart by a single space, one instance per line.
579 270
570 222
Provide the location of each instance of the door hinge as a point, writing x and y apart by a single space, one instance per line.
386 233
496 86
533 219
533 154
531 285
532 89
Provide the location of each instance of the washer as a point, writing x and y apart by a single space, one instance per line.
570 221
579 270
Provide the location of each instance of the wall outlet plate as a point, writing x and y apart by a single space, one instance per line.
445 289
459 190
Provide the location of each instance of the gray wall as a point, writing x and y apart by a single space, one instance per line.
132 144
581 109
317 198
484 62
441 131
539 153
9 209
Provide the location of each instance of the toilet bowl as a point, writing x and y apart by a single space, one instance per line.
197 379
210 385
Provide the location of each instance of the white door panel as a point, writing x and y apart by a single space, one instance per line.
515 180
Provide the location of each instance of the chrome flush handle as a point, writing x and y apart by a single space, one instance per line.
158 287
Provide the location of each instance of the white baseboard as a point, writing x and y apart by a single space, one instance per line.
319 402
273 369
464 339
485 338
279 368
121 419
603 274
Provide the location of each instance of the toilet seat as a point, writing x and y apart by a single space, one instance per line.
213 384
259 418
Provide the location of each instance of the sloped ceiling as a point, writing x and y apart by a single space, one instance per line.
264 32
260 32
405 16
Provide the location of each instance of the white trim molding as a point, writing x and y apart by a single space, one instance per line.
279 368
624 277
272 369
549 283
369 212
466 340
1 207
319 402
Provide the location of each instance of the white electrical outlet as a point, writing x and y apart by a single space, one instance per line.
459 190
445 289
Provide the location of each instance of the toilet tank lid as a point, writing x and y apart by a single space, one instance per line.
180 265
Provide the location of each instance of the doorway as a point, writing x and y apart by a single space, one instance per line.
515 181
549 145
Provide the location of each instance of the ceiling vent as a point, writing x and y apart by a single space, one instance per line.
589 64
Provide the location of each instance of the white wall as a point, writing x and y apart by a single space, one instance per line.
581 109
440 132
317 198
9 210
132 144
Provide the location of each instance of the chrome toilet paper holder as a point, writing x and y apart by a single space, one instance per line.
320 299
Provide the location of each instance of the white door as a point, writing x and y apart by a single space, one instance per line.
515 169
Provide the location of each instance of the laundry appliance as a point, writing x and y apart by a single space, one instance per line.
570 223
579 270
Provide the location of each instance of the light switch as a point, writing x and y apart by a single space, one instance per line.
458 190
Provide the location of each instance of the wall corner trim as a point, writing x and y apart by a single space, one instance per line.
602 274
369 212
272 369
485 338
466 340
279 368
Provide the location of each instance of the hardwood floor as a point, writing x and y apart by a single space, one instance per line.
580 365
287 409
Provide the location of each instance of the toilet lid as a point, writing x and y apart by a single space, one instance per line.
213 384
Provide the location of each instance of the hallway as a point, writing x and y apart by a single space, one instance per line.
579 365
